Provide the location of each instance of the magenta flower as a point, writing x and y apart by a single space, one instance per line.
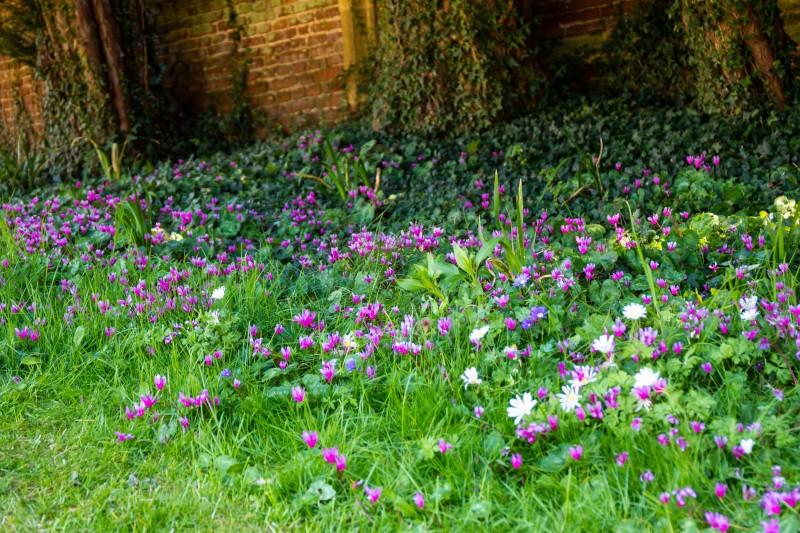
478 411
576 452
720 489
697 427
159 381
622 458
329 454
122 437
718 521
664 497
444 446
646 477
298 394
516 460
373 494
707 368
328 369
720 441
340 462
310 438
184 422
773 526
419 500
148 400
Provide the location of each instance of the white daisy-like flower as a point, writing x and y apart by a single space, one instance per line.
213 318
470 377
645 404
570 398
646 377
520 407
582 375
634 311
349 342
748 314
749 302
604 344
478 334
218 294
747 445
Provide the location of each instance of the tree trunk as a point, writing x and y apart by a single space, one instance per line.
763 56
112 51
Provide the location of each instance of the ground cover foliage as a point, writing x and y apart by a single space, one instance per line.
343 330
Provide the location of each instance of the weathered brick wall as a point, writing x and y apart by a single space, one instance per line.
295 50
562 19
16 79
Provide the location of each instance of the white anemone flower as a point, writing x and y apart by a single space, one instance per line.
470 377
218 294
646 377
634 311
748 314
478 334
747 445
604 344
570 398
520 407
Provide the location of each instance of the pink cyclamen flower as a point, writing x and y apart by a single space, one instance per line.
329 454
516 460
707 368
576 452
664 497
298 394
159 381
646 477
341 462
444 446
720 489
184 422
122 437
373 494
419 500
310 438
622 458
773 526
718 521
478 411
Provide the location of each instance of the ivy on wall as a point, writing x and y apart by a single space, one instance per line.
728 56
444 66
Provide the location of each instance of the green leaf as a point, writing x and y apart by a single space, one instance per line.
77 337
30 360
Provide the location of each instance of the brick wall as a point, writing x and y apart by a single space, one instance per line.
295 48
297 51
16 79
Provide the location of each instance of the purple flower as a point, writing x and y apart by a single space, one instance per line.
718 521
576 452
373 494
646 477
298 394
622 458
706 367
516 460
773 526
341 462
720 441
664 497
720 489
444 446
419 500
122 437
159 381
478 411
310 438
329 454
